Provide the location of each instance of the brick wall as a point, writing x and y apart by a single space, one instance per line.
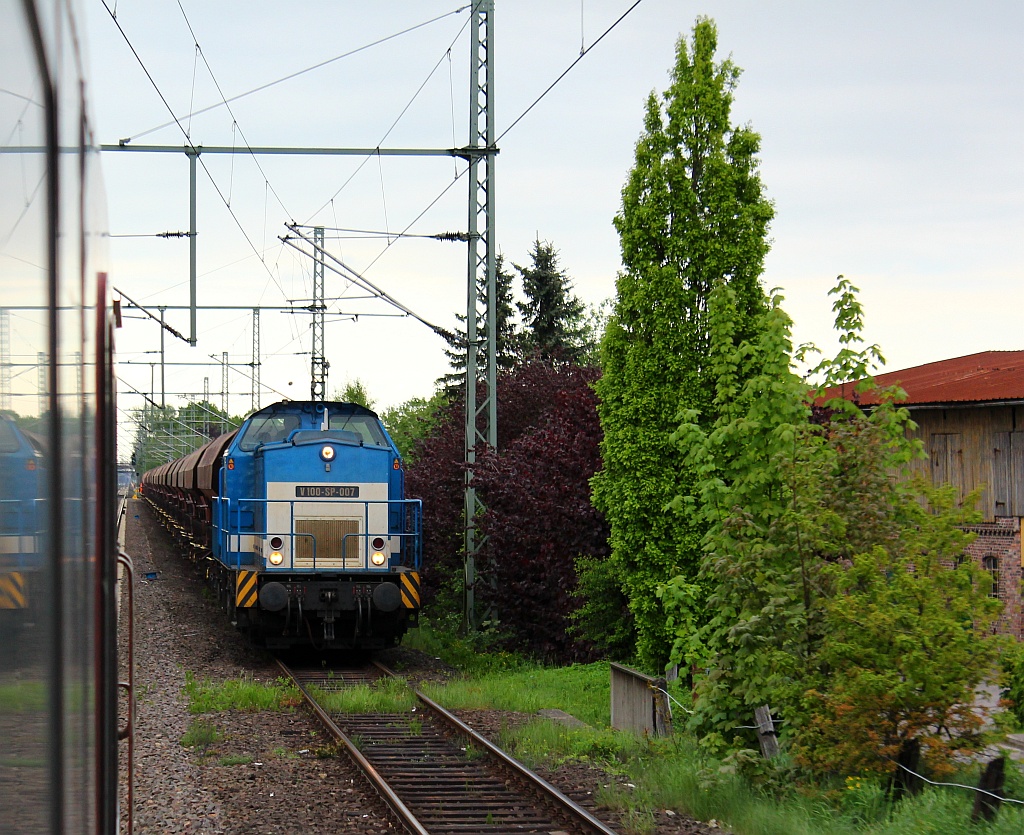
997 548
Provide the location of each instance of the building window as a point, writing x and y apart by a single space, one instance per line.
991 565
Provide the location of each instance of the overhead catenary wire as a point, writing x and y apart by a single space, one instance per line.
239 368
192 148
376 233
412 222
296 74
567 70
516 121
234 121
152 235
155 318
398 118
390 235
359 280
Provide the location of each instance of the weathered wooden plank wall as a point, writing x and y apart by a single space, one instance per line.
972 448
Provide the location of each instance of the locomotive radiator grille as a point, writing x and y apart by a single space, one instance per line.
337 543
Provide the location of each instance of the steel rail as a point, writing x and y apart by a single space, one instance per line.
387 794
565 805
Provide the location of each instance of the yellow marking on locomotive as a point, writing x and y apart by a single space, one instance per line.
245 589
410 589
12 591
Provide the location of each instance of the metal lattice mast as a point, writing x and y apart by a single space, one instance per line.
224 390
255 359
318 375
5 359
482 411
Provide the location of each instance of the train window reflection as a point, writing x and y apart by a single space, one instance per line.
8 437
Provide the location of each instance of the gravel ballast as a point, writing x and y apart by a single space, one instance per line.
268 772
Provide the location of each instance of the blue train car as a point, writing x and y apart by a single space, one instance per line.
58 555
301 521
22 513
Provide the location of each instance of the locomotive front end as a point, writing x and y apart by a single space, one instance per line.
333 555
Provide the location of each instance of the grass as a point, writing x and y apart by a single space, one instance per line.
582 690
201 734
23 697
384 696
676 773
239 694
235 759
473 655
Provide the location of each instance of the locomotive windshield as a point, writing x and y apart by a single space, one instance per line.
8 437
269 429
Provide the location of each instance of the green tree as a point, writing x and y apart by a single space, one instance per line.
207 419
693 214
354 391
554 323
507 342
761 469
411 421
831 594
907 639
163 434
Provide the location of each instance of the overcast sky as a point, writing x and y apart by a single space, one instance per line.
891 138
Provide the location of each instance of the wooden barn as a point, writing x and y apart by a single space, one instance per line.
969 413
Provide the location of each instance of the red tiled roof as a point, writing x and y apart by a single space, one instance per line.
989 376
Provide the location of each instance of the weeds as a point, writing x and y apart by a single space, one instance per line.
326 752
239 694
385 696
201 734
473 654
234 759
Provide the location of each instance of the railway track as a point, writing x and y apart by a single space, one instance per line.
437 775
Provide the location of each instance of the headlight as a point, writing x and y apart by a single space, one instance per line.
276 558
327 453
378 558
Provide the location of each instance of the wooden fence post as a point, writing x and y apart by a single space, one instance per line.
992 778
766 732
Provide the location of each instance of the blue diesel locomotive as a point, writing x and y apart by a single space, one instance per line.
300 520
22 514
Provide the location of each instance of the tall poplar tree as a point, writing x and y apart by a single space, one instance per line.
693 214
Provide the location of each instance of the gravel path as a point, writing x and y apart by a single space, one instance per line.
264 773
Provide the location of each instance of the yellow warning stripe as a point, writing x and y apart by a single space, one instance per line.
245 589
12 591
410 589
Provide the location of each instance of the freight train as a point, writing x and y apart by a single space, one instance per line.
300 523
58 557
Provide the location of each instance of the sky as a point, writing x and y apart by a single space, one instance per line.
890 131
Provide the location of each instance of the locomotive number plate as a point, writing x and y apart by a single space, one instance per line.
326 491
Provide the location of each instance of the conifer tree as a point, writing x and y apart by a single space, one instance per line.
693 215
553 318
507 337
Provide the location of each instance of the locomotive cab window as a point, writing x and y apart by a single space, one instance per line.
271 429
8 437
365 428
